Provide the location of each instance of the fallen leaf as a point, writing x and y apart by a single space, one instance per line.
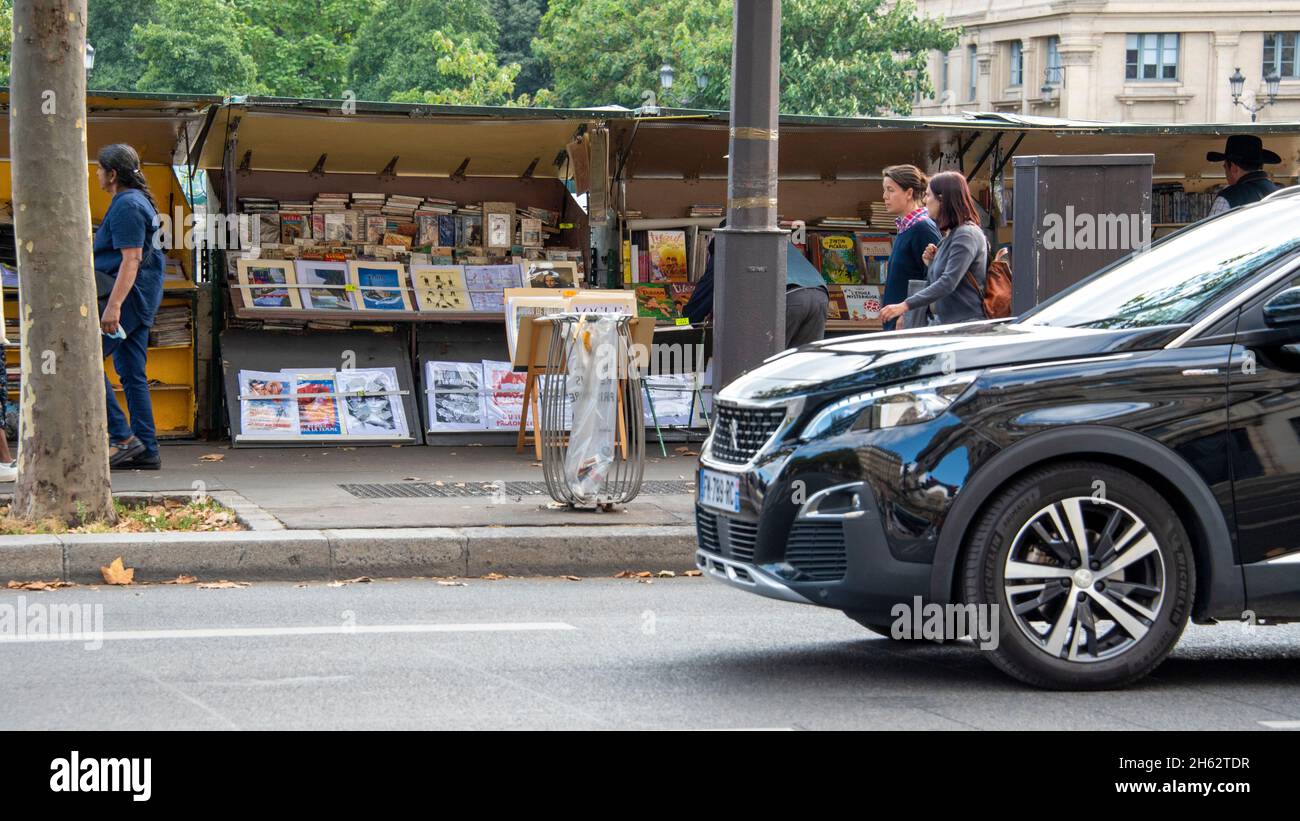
212 457
623 574
359 580
460 484
439 483
493 577
692 573
644 574
445 583
667 574
53 585
300 585
556 505
115 573
183 579
222 585
412 479
572 578
349 448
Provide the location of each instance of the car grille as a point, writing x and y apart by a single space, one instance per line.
724 536
739 433
817 550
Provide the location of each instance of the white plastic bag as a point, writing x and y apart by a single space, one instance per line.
593 395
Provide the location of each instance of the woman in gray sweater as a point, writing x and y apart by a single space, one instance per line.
948 292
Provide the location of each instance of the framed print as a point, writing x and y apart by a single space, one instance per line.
325 285
268 283
381 286
440 288
548 274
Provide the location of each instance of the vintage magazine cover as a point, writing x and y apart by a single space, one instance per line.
317 414
271 418
838 259
667 256
379 412
455 400
504 395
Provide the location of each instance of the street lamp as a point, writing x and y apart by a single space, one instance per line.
90 56
1050 78
1047 91
1237 83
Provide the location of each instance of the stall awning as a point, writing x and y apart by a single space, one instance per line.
155 125
431 141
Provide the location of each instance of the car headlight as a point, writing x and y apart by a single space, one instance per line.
889 407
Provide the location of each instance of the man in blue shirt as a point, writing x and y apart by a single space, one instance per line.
130 268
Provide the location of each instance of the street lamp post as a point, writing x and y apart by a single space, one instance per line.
1238 81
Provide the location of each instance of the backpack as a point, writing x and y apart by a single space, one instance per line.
996 295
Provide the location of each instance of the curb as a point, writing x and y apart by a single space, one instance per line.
309 555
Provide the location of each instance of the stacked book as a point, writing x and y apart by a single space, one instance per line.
438 206
875 214
402 206
171 327
258 205
328 203
840 224
706 211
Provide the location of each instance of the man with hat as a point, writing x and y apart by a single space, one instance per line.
1243 161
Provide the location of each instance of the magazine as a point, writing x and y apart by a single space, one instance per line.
379 411
503 395
838 259
455 396
266 417
317 415
667 256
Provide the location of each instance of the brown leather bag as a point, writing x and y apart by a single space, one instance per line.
996 294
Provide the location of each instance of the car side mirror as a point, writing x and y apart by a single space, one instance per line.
1283 310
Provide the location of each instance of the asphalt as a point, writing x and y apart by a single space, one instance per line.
682 653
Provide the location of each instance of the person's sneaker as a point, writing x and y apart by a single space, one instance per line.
8 473
145 461
120 453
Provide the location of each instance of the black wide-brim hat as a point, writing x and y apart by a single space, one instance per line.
1244 148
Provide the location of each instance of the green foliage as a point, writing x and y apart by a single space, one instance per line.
196 47
519 20
109 27
6 38
838 58
302 47
396 52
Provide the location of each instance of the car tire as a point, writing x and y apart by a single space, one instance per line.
1058 626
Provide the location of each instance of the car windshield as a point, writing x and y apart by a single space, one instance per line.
1173 281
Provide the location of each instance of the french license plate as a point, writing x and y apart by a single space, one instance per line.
720 491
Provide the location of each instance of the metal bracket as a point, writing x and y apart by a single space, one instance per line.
318 170
246 164
997 171
532 166
997 140
459 174
691 177
390 170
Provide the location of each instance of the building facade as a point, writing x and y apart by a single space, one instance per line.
1121 60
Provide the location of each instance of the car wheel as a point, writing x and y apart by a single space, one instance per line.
1091 573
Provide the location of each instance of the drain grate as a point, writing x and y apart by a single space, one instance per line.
457 490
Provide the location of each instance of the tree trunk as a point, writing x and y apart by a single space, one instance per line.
63 452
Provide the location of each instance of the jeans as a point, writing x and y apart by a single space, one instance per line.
129 359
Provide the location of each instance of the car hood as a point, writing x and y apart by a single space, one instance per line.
873 360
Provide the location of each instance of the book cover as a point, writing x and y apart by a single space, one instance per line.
318 408
293 227
318 227
336 227
446 231
267 283
492 277
667 256
862 301
375 225
370 403
837 308
839 263
680 294
530 231
873 252
426 229
269 228
652 301
397 241
498 226
332 279
454 400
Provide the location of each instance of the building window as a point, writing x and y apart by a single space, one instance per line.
1053 73
1017 62
1151 57
1279 54
943 74
973 71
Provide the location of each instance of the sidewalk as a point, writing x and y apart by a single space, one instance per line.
339 513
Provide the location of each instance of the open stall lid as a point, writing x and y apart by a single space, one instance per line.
412 141
161 127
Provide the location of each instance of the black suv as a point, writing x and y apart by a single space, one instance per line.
1119 459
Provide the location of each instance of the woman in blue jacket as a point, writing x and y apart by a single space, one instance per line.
125 251
904 198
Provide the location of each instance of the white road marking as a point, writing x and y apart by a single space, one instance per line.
1281 725
265 632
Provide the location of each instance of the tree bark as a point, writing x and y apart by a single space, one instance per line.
63 452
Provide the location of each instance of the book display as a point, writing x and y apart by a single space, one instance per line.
321 405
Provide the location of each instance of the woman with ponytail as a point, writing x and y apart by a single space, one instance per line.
129 267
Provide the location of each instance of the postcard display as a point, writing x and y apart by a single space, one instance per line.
340 260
